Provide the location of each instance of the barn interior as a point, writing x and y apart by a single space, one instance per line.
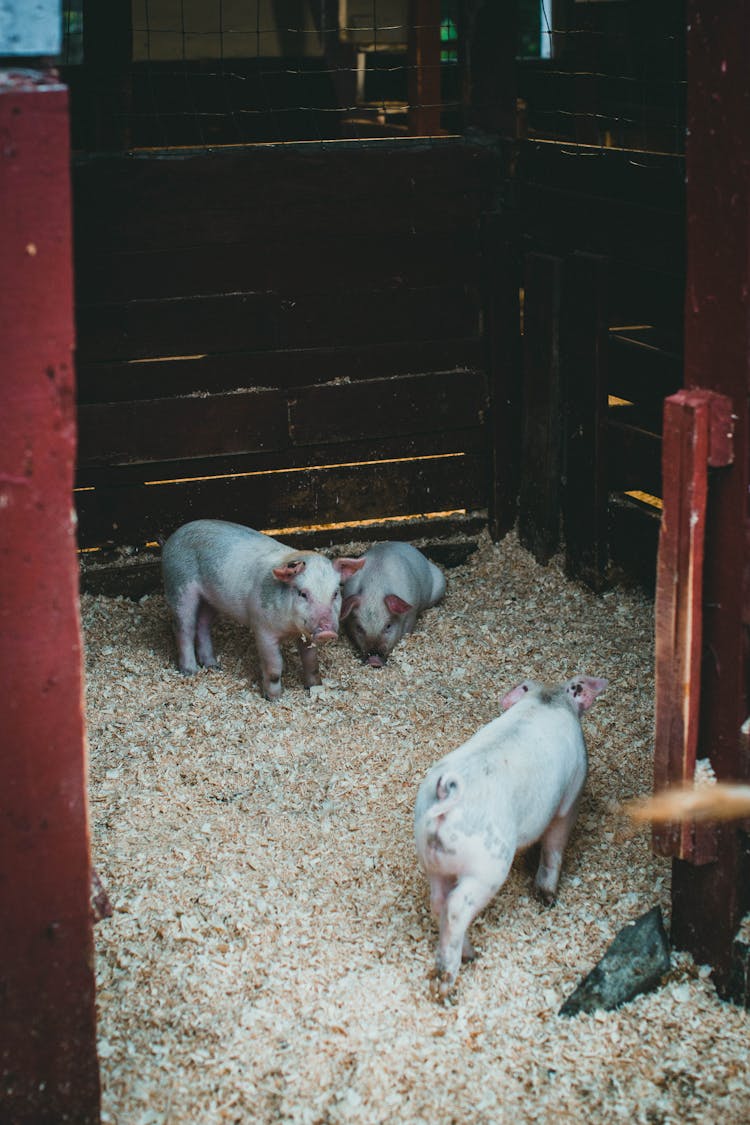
462 273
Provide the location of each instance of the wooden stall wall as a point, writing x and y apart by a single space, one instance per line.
603 253
281 336
600 190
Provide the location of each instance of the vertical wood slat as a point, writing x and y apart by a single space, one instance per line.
48 1064
691 418
488 41
424 68
539 493
501 270
584 380
107 64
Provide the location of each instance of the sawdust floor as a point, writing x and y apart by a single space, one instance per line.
269 951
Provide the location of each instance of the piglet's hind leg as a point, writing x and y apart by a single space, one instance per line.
461 906
553 844
440 888
184 619
204 645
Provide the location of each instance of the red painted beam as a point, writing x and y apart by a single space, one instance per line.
425 98
708 901
697 433
48 1064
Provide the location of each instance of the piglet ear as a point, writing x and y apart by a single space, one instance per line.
347 567
584 690
395 604
348 604
289 570
516 693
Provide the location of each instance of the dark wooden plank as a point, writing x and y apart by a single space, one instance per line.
246 321
708 903
240 195
279 180
423 403
141 514
116 382
502 282
633 459
539 497
290 266
641 295
382 448
188 326
584 380
653 179
381 315
173 428
641 369
638 415
207 426
632 232
633 540
138 227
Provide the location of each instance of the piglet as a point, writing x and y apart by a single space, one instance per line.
211 565
516 781
383 600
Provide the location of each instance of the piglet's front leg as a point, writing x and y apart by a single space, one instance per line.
271 663
308 654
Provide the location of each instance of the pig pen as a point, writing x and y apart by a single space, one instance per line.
269 951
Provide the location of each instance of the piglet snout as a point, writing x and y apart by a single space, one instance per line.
375 661
323 633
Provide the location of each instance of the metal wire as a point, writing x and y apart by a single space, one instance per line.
288 79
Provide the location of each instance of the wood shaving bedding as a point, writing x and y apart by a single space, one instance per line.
269 951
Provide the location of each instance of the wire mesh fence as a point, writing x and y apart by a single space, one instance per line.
207 72
608 73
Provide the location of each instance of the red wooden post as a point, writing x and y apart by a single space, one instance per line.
424 68
48 1064
708 900
691 420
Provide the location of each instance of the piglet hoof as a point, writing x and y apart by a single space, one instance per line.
545 895
441 983
188 671
444 987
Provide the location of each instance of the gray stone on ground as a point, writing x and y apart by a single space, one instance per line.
635 962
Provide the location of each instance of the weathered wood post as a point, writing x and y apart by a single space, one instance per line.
709 883
48 1064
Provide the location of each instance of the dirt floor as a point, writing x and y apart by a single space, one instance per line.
269 951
